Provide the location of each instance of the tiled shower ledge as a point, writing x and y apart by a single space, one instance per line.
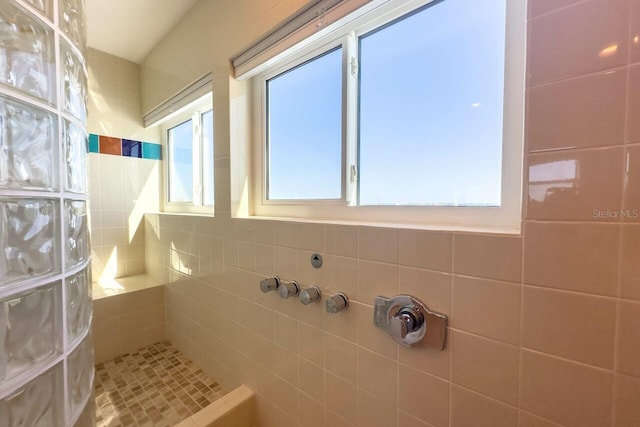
109 287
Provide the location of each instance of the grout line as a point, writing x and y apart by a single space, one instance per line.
450 329
487 279
616 337
521 311
571 222
538 416
567 360
426 373
486 396
562 8
563 150
487 338
570 291
578 76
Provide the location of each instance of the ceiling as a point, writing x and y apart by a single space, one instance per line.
131 28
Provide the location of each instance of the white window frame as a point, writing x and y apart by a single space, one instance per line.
262 80
505 218
193 112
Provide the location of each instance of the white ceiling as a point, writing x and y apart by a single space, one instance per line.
131 28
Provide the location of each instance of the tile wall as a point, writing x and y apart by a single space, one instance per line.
124 169
126 322
544 325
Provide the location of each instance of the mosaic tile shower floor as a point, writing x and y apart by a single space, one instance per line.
154 386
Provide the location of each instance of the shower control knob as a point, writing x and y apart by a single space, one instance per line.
337 303
410 322
407 320
310 295
288 289
270 284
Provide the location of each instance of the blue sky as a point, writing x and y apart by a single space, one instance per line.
207 158
181 155
432 105
305 130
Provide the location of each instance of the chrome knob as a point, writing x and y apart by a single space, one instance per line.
337 303
310 295
270 284
405 321
409 322
288 289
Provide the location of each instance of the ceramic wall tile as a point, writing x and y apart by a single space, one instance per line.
558 48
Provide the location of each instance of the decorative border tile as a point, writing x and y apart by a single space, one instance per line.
151 151
94 143
110 145
131 148
124 147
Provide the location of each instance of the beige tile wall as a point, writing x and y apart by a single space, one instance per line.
127 322
544 326
515 352
121 188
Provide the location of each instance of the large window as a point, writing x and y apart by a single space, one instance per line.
189 162
411 113
443 120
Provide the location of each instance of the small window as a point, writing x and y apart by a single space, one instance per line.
406 114
189 171
180 142
304 120
206 119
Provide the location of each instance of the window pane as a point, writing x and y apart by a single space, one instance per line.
207 158
305 130
181 163
431 107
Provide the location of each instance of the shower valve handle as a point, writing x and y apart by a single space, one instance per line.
288 289
310 295
269 284
337 303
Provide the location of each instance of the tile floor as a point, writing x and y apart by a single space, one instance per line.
155 386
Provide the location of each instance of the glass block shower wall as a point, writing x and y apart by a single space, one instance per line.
46 356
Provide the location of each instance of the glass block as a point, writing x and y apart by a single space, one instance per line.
75 146
29 238
79 304
75 83
26 53
80 375
44 6
30 329
77 234
37 404
72 22
28 146
88 416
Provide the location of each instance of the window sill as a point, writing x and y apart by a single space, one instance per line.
184 213
405 226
